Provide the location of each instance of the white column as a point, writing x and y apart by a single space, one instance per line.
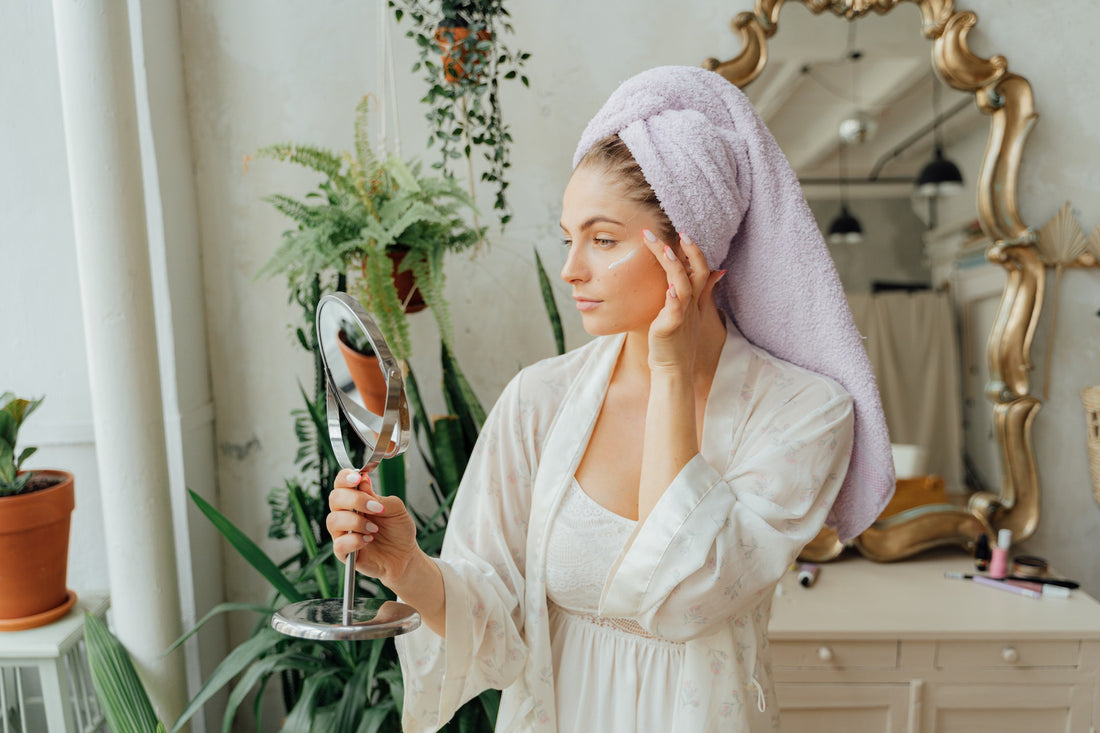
101 136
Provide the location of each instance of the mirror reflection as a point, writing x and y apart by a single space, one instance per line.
364 378
889 157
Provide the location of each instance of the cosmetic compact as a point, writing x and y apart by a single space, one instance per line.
1029 566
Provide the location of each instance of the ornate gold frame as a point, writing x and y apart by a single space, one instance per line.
1007 99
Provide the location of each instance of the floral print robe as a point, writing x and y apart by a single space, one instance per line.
701 569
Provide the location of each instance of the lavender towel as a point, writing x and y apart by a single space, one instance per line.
722 180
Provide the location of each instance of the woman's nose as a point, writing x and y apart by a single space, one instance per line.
575 268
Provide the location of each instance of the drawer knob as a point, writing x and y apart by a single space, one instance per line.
825 654
1010 655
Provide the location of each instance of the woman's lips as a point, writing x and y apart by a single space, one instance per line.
584 304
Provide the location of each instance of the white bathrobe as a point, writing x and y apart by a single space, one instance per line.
701 569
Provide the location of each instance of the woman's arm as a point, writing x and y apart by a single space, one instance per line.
685 341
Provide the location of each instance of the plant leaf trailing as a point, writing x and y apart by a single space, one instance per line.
463 81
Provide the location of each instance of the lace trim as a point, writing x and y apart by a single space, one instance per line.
626 625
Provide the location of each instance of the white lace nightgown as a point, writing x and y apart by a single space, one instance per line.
609 674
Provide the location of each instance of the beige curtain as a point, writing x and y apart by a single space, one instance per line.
911 341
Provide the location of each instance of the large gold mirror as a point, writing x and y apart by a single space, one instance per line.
916 103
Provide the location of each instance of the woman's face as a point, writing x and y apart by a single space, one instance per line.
617 284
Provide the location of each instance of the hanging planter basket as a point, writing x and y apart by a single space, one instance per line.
451 41
405 282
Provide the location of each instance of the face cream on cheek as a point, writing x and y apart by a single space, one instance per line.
624 258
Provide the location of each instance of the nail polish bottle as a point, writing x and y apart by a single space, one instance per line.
998 565
981 553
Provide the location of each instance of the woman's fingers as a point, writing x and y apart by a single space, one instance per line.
698 270
679 283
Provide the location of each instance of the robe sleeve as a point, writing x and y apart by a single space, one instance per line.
721 536
482 563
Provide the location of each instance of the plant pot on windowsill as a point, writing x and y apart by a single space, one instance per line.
34 551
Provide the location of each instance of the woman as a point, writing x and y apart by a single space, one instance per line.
630 506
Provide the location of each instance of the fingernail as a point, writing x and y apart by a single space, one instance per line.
669 254
649 236
672 290
686 239
353 479
721 274
372 527
374 506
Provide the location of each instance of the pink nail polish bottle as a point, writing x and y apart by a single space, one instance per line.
998 565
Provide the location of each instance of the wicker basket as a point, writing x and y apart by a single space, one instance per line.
1090 396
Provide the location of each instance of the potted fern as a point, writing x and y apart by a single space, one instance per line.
35 511
378 218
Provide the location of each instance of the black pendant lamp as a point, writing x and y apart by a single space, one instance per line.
939 177
845 228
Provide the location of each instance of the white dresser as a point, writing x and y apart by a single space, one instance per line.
898 648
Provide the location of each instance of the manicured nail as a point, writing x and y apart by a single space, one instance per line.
374 506
669 253
649 236
686 239
372 527
721 274
353 479
672 290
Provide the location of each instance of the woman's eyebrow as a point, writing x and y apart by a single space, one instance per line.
589 223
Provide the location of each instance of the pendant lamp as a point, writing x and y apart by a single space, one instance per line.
940 176
845 228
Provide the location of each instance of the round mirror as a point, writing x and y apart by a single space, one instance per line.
365 391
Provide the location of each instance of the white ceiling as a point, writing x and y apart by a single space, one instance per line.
809 85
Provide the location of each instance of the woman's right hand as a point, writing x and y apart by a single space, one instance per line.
379 528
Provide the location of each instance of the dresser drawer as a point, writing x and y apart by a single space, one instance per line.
832 655
1006 654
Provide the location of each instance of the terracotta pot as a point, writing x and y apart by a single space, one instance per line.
404 282
367 376
34 549
452 61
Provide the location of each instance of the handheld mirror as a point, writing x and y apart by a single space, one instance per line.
363 383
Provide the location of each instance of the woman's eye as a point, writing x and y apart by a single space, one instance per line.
567 242
605 243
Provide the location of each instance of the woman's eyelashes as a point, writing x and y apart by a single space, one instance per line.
600 242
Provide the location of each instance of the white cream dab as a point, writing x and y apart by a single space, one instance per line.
624 258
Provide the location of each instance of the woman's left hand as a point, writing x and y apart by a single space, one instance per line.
674 332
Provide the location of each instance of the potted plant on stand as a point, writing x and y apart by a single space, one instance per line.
35 510
463 59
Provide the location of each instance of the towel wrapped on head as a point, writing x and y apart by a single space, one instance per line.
723 181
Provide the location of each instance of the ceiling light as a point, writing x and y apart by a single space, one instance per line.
845 228
940 177
858 128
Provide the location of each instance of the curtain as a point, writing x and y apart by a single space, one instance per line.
911 340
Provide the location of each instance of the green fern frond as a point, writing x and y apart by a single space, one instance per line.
313 157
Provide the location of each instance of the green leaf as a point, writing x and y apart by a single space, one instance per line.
248 549
550 304
245 654
216 610
122 695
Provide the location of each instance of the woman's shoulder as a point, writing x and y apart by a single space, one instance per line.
767 373
548 380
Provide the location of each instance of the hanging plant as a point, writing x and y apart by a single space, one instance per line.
377 216
463 59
